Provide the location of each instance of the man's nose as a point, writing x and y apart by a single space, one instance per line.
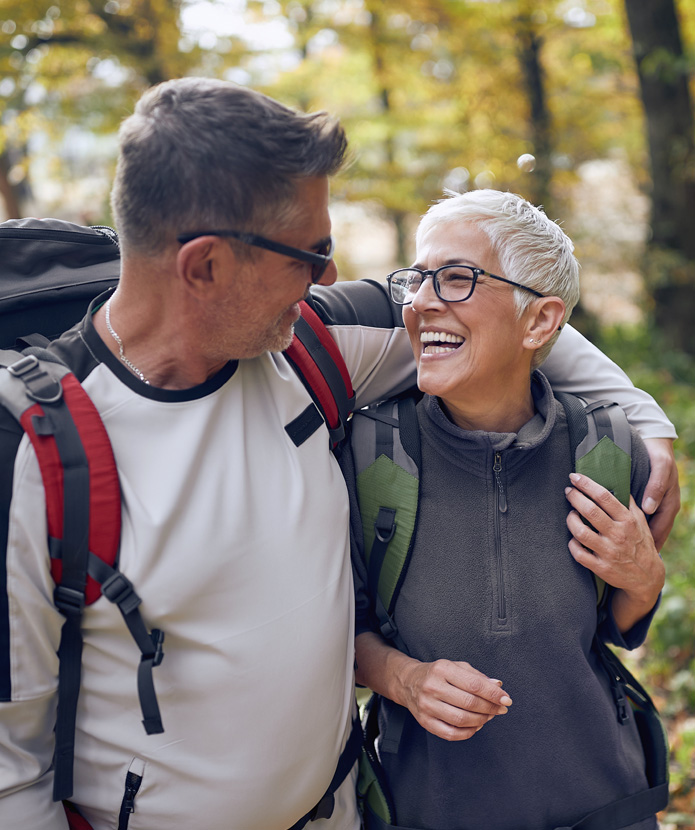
330 275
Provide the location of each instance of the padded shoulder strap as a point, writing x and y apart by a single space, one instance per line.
317 361
386 448
601 443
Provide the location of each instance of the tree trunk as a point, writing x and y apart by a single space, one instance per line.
9 192
668 110
530 44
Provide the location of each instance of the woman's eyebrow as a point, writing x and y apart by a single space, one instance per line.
462 260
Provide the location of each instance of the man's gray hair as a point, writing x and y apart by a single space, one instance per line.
532 249
205 154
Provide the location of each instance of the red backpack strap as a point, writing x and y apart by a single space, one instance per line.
83 509
319 364
75 820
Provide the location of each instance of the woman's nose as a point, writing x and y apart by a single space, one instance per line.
426 297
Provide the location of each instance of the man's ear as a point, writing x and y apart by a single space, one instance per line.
545 319
203 264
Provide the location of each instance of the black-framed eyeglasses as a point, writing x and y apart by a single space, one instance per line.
319 260
452 283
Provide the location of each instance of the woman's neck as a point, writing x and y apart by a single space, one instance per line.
504 414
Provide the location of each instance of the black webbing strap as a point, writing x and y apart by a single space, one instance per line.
625 812
385 524
577 424
69 595
119 589
348 759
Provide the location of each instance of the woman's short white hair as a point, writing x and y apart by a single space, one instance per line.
532 249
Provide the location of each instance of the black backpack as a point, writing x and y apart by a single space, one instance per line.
51 270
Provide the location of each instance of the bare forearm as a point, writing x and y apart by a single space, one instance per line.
379 666
629 609
450 699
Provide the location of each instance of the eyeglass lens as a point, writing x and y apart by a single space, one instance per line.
319 268
453 283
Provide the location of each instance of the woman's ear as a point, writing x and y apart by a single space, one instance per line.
203 264
545 319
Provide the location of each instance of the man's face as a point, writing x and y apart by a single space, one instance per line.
260 306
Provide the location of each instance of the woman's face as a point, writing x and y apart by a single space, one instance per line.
478 352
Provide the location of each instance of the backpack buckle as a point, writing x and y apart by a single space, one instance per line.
41 387
385 525
68 601
157 641
119 590
23 366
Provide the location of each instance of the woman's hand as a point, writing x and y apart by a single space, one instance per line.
451 699
618 547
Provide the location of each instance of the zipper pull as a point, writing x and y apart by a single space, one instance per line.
502 496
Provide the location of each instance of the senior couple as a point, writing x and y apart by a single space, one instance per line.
237 540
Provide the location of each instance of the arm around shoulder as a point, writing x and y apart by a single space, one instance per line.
575 365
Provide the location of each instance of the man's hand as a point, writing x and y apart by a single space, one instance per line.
617 547
662 496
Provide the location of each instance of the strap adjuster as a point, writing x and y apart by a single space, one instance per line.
385 524
389 629
119 590
157 655
69 601
41 387
23 366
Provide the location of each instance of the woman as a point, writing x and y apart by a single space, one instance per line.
499 600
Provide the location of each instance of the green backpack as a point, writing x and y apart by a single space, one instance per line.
386 452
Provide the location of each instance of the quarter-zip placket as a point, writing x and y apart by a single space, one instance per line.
500 508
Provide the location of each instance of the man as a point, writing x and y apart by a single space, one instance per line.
235 539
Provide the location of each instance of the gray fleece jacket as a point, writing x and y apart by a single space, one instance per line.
495 585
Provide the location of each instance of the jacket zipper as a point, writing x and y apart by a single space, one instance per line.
500 507
133 780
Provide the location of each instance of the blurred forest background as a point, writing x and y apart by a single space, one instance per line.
582 106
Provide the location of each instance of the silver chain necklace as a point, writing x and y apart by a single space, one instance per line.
133 368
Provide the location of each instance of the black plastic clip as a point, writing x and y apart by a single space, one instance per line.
119 590
385 526
69 601
157 641
41 387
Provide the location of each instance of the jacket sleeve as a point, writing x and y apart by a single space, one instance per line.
30 631
575 365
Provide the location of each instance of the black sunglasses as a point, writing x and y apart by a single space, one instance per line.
319 261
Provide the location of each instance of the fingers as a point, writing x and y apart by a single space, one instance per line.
449 732
663 476
597 503
662 494
453 700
